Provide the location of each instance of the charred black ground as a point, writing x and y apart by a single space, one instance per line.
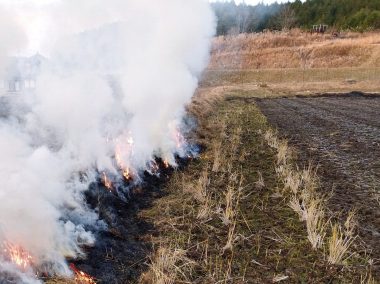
121 251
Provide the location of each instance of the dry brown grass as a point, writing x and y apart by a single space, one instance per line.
260 183
200 192
300 187
368 279
213 196
231 199
315 222
221 218
281 50
339 243
218 156
169 266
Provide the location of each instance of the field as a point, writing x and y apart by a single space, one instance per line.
230 217
286 186
340 134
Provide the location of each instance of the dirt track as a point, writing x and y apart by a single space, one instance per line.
341 134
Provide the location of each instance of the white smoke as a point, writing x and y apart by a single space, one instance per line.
118 71
12 37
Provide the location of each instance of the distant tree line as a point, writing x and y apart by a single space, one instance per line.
338 14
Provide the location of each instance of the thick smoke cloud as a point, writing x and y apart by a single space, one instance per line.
12 37
118 76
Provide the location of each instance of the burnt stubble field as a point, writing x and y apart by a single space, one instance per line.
341 135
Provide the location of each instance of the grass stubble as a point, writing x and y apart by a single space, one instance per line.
244 213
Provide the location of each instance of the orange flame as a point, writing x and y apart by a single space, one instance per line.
107 182
18 255
82 277
166 164
118 159
122 152
180 140
126 174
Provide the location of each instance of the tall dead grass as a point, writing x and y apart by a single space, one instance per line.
281 50
169 266
300 187
210 202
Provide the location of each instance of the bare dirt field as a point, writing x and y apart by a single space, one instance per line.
341 134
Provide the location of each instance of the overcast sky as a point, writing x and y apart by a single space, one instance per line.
253 2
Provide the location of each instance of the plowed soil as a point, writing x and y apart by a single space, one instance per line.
340 134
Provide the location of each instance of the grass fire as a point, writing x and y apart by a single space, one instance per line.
17 256
189 141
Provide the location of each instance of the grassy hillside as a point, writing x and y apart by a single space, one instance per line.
296 62
295 49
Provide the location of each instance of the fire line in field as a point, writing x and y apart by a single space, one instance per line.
17 255
81 277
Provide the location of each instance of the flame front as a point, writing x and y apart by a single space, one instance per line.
179 139
17 255
166 164
82 277
107 182
123 152
126 174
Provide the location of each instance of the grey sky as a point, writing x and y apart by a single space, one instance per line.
253 2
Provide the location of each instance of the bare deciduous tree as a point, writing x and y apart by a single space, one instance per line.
287 17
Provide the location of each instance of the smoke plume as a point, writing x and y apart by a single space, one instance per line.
111 94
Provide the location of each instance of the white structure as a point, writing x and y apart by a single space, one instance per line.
21 74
